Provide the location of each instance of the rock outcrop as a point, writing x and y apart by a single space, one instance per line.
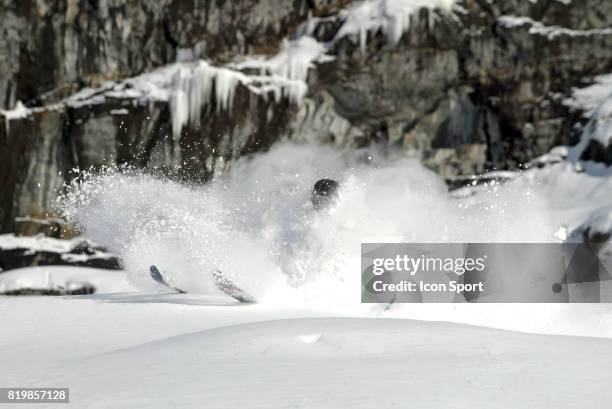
476 88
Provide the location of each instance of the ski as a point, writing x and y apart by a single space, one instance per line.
221 281
157 276
228 287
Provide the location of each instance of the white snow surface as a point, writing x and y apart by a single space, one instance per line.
137 350
125 349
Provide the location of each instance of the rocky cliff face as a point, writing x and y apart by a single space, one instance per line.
477 86
54 47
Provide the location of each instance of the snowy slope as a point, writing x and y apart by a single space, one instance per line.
151 355
152 350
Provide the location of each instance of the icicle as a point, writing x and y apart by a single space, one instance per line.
192 91
226 82
200 87
295 91
390 16
179 105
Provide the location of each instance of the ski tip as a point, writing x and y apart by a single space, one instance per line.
156 275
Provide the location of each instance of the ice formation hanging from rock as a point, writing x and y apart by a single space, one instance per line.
192 90
283 75
286 73
190 87
196 87
293 61
390 16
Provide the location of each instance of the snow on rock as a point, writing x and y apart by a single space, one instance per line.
190 87
590 98
390 16
578 200
550 32
150 86
41 243
20 111
596 102
293 61
65 277
37 243
578 191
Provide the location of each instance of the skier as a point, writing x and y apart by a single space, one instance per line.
323 193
